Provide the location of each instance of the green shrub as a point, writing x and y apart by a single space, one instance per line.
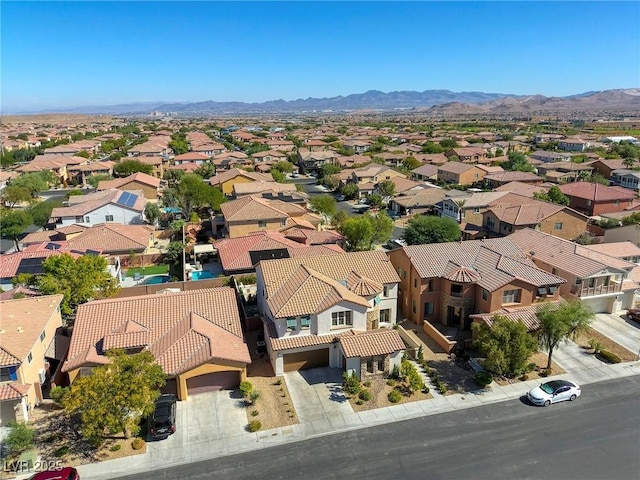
482 378
351 384
61 452
420 354
278 382
137 444
254 426
596 346
391 382
367 383
395 396
415 381
425 390
21 437
253 397
443 388
609 356
364 395
531 367
395 372
115 447
246 388
524 377
58 393
254 413
359 402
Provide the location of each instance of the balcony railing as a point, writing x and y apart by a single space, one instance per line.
597 290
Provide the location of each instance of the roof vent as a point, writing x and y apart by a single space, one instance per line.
20 330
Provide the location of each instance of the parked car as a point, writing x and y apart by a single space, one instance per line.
553 392
340 198
163 419
65 473
634 314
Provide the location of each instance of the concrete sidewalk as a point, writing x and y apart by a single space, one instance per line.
582 373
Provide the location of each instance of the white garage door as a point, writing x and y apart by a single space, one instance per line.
600 305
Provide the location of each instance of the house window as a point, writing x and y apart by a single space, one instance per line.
43 335
456 290
404 275
87 220
341 319
79 219
399 271
108 218
305 322
413 305
262 223
490 222
381 364
588 203
30 358
385 315
554 271
292 323
428 309
485 294
283 222
385 291
430 285
511 296
558 226
415 283
8 374
370 365
476 210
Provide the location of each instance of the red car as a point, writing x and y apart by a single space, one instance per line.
634 314
66 473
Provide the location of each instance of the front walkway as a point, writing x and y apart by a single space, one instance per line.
625 333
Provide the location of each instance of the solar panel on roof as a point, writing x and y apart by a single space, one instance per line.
122 199
30 265
132 200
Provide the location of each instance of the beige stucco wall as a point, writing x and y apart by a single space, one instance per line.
241 229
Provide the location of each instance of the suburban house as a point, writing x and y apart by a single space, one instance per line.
57 164
192 157
208 148
524 189
241 254
99 207
195 336
603 282
81 172
270 156
546 138
594 198
259 187
627 251
467 154
573 145
251 214
310 161
417 202
494 180
627 178
31 353
374 174
139 181
564 172
425 173
513 212
545 156
227 160
468 208
607 167
459 173
403 186
334 310
226 180
148 149
445 283
157 163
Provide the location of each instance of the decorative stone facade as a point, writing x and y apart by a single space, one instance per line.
373 362
465 304
373 318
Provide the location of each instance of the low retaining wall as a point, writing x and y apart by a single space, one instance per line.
442 341
183 286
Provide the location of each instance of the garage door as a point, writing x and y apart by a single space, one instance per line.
211 382
302 360
599 305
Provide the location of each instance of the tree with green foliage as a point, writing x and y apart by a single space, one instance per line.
256 147
554 195
35 182
94 180
78 279
192 193
327 170
173 176
82 154
428 229
113 398
362 233
506 344
349 190
324 204
205 170
411 163
13 195
448 143
517 162
381 228
124 168
152 213
633 219
432 147
284 167
41 212
559 324
278 176
13 223
21 437
375 200
179 143
386 188
598 178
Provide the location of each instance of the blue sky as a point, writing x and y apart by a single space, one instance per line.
57 54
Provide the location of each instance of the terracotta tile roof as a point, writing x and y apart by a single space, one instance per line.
363 286
596 192
23 320
498 262
11 263
371 343
404 184
87 205
461 274
505 177
252 208
260 186
525 315
616 249
185 167
191 156
421 198
427 170
456 167
371 264
138 177
183 329
554 251
298 341
7 359
432 158
314 237
113 237
524 189
520 210
8 294
13 390
307 291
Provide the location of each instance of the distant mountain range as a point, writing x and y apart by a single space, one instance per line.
429 102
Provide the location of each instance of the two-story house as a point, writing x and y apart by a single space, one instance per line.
627 178
595 199
226 180
467 154
573 145
330 311
447 282
601 281
113 205
468 208
147 184
494 180
29 359
459 173
310 161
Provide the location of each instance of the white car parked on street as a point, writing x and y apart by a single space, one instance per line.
553 392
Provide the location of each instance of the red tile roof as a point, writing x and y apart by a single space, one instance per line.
13 390
596 192
371 343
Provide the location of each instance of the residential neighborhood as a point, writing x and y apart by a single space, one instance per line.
244 261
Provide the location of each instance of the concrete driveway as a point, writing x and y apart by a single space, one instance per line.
205 417
317 394
619 329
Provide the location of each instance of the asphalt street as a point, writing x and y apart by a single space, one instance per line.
595 437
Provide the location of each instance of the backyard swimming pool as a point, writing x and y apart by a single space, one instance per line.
155 280
201 275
